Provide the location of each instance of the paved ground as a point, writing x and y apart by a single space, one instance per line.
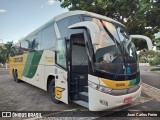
24 97
150 78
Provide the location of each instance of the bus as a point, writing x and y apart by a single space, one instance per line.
80 57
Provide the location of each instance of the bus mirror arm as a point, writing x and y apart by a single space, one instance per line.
93 29
147 39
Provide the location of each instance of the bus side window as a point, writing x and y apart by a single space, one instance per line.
24 47
13 52
35 42
61 53
48 38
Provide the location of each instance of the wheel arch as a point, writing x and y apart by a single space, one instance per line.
49 79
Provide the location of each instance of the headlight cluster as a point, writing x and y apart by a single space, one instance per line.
99 87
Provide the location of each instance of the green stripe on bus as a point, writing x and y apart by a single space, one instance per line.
137 80
32 64
28 64
132 82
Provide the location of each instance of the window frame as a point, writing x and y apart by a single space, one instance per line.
66 56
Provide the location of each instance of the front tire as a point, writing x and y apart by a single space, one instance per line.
51 90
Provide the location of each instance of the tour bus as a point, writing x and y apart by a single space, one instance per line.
80 57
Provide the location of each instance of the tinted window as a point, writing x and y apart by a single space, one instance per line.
34 42
37 41
24 44
48 38
24 47
15 50
61 54
64 23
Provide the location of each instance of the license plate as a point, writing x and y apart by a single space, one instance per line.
128 100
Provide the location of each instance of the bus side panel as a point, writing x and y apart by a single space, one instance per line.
18 63
61 85
37 69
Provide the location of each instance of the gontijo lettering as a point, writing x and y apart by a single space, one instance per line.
18 59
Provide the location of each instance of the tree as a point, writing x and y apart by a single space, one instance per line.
5 51
139 16
146 56
156 60
149 56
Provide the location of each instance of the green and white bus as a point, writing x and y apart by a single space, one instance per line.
80 57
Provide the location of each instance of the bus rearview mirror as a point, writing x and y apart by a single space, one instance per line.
142 37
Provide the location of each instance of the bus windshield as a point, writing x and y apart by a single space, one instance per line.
116 54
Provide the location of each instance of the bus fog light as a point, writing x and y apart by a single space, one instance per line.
104 89
93 85
99 87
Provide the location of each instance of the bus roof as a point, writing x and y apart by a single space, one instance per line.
80 12
71 13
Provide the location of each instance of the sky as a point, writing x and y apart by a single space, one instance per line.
18 18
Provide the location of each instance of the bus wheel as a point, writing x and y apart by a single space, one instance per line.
52 91
16 77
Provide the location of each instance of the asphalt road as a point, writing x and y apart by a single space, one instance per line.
150 78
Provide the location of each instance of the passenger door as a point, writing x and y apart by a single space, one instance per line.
78 64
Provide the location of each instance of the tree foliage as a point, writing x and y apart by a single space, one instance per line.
140 16
150 56
5 51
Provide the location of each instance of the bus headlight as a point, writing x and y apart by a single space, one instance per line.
93 85
104 89
99 87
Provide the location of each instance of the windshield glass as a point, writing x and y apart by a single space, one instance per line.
115 54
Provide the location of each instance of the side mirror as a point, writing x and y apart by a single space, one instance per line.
147 39
93 28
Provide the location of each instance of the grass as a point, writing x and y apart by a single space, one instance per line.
155 69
